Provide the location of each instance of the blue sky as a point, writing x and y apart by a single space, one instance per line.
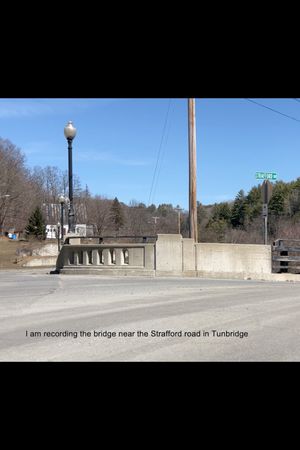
118 143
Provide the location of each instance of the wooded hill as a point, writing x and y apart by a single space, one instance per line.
241 221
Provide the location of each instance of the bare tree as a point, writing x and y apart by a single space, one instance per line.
98 214
138 219
15 199
51 182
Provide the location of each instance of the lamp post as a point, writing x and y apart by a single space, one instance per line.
58 235
62 200
70 133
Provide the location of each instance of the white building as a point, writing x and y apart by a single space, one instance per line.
51 231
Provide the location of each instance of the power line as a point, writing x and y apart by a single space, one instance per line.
271 109
162 155
159 150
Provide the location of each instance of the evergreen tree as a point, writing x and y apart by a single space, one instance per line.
295 184
221 211
164 209
219 228
293 200
220 220
254 203
117 215
86 192
238 212
201 214
294 203
36 224
152 208
277 205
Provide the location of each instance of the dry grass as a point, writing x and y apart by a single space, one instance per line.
8 255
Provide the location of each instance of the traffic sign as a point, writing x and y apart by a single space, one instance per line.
266 189
266 175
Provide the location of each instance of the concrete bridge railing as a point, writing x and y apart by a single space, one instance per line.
108 258
169 255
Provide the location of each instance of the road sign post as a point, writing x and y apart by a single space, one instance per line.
267 188
265 218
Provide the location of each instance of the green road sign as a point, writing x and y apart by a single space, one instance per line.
266 175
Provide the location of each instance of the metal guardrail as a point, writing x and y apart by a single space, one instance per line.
286 256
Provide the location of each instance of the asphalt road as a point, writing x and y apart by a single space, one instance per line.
47 317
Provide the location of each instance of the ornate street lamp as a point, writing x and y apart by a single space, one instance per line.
70 133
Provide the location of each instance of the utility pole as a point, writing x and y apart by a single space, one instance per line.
193 233
155 221
178 210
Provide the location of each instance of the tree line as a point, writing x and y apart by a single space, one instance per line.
240 221
24 190
30 196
